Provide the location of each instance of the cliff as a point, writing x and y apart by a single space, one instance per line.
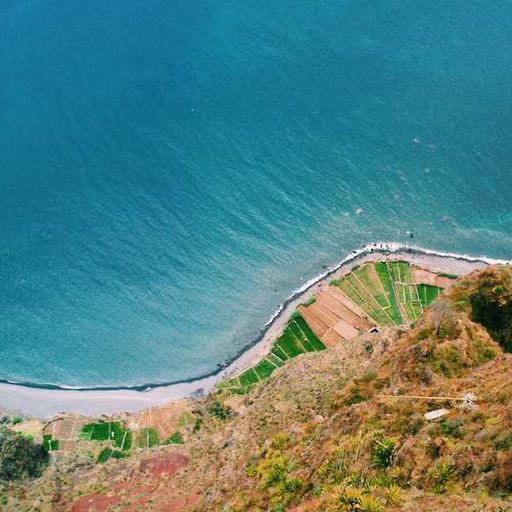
344 429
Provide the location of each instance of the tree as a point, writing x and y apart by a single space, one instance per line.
20 457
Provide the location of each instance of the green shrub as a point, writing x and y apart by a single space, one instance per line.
504 442
443 473
355 395
449 276
383 452
334 469
219 410
309 301
368 376
198 423
370 504
349 499
452 428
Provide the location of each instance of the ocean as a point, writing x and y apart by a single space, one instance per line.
170 171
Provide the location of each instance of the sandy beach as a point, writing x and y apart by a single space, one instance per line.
42 402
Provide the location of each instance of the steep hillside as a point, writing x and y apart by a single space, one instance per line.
342 429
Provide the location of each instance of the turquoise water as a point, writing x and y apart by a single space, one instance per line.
170 171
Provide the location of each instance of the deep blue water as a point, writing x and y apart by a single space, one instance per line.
170 170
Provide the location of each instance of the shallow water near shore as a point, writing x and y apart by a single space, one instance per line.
171 171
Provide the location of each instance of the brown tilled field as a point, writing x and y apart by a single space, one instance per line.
164 418
66 431
333 317
421 275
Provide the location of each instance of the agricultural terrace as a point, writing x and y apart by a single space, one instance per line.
62 434
161 425
112 432
392 292
374 295
296 339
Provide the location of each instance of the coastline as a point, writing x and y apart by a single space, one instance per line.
47 400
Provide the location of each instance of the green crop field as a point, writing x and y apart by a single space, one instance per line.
296 339
428 293
314 342
364 276
108 453
49 443
108 431
387 292
248 377
264 368
96 432
356 290
276 361
400 271
412 297
405 289
387 283
104 455
176 438
148 437
384 290
279 354
290 344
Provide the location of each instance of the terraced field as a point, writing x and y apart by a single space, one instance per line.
161 425
371 290
296 339
397 295
374 295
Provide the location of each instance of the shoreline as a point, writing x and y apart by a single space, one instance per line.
47 399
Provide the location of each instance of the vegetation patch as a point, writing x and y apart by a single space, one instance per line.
296 339
108 453
383 452
490 302
428 293
148 437
20 457
384 290
309 301
385 278
219 410
175 438
49 443
449 276
112 431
